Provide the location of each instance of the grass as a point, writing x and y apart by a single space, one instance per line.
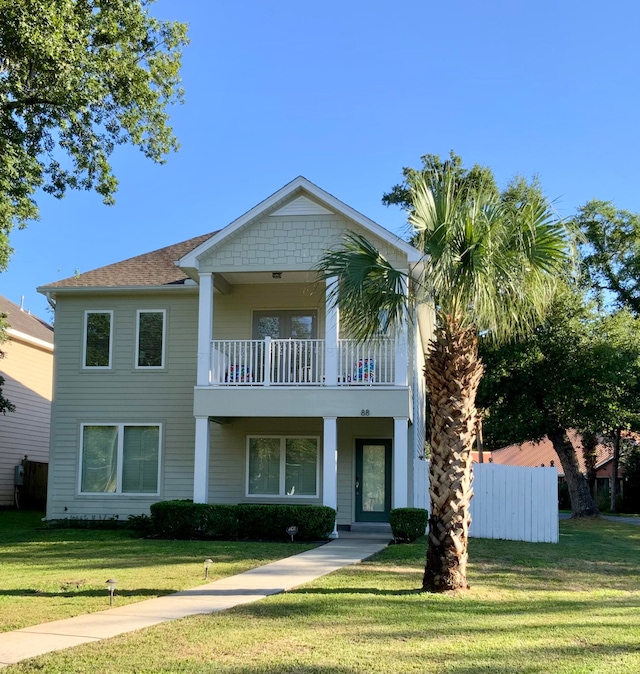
572 608
48 574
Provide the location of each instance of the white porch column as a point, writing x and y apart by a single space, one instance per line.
401 345
330 467
201 462
205 328
400 462
332 330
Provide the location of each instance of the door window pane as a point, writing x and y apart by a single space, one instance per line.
301 327
301 466
140 459
264 466
150 335
99 459
373 478
98 339
267 326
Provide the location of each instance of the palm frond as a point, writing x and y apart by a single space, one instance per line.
371 294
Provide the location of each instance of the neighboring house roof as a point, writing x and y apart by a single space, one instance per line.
157 268
23 323
541 453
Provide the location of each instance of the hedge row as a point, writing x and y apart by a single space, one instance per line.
202 521
408 524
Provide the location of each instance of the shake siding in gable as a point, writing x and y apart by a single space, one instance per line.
289 242
123 395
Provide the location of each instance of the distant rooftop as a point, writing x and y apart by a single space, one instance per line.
24 322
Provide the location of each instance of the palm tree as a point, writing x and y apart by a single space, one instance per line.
489 267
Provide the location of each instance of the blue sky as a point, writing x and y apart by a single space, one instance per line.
347 93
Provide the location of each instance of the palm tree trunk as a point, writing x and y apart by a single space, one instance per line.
582 503
453 371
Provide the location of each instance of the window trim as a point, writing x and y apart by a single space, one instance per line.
136 353
84 339
283 466
119 462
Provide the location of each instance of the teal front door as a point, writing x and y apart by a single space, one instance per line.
373 480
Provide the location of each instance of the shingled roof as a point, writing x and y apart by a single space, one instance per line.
150 269
23 321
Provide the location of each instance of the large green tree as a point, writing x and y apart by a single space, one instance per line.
78 78
611 253
579 369
489 267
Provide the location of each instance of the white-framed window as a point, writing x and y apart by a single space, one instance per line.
120 458
150 338
98 340
280 466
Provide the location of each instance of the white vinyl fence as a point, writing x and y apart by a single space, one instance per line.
514 503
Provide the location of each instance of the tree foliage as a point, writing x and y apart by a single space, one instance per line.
465 182
77 79
611 253
580 369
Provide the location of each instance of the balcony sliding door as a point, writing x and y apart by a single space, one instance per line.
292 361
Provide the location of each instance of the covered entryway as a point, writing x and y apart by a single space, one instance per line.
373 480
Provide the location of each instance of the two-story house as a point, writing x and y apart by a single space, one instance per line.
215 369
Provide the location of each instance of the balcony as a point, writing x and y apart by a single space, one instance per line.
303 362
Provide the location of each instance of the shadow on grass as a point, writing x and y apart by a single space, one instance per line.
29 592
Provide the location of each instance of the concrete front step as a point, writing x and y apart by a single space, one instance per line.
371 528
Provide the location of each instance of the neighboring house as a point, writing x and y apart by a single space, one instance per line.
27 369
541 453
215 369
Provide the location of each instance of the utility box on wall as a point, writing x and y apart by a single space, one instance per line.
18 476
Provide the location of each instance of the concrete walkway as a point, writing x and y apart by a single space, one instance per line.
216 596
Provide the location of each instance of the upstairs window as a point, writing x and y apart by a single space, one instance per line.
150 339
98 328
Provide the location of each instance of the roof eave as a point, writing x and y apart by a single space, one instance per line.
52 291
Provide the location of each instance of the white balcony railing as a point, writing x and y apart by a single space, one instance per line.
368 364
300 362
267 362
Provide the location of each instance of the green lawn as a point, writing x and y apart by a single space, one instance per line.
47 574
532 608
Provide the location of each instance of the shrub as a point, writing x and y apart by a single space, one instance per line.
141 524
187 520
408 524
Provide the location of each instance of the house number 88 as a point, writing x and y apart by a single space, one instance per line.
364 413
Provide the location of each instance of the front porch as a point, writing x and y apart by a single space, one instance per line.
358 466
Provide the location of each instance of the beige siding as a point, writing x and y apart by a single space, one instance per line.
123 395
287 242
228 464
233 313
27 370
